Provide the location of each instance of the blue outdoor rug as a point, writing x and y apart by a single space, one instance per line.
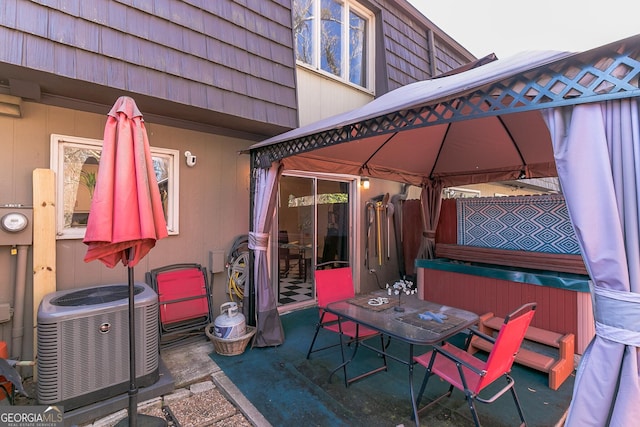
290 390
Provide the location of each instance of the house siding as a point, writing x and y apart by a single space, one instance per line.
406 49
214 200
446 58
209 76
193 53
412 48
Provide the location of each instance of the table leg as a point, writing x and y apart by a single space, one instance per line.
414 404
356 345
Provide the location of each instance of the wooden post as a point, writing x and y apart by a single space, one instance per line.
44 241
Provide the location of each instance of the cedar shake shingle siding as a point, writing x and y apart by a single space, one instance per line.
228 64
446 58
406 49
414 48
202 64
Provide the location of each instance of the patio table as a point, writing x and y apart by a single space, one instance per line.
406 325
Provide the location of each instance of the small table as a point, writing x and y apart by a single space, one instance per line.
404 325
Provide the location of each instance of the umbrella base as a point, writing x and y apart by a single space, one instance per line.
144 421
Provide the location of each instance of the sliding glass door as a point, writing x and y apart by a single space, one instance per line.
314 225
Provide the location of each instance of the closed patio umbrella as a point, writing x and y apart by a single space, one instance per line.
126 217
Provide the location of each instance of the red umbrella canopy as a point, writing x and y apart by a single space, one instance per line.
126 209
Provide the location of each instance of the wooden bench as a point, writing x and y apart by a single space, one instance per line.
559 368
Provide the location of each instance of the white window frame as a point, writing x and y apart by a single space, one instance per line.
58 145
369 51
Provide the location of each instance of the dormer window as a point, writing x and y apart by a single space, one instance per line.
336 38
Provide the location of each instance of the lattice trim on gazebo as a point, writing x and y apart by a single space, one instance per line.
596 75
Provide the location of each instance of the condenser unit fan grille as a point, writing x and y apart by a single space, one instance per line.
93 296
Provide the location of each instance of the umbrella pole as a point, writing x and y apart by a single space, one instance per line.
133 387
132 419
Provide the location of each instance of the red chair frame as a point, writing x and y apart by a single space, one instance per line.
470 374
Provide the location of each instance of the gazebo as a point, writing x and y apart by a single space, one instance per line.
536 114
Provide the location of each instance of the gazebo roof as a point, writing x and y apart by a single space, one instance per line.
482 124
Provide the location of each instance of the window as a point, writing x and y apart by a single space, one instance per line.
335 37
315 222
459 193
75 161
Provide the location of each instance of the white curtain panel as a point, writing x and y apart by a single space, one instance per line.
597 152
269 330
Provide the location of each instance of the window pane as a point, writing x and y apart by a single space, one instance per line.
161 167
333 221
357 26
80 173
303 30
79 181
331 36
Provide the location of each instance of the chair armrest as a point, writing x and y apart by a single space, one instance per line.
457 360
482 335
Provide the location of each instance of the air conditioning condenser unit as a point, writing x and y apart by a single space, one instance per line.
83 344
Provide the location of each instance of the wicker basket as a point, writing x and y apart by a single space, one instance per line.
230 347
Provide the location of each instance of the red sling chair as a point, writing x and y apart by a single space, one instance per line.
471 374
334 285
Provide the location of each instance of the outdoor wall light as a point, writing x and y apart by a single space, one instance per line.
364 183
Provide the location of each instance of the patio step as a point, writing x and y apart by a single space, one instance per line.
559 367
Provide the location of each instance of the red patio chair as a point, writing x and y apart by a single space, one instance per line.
471 374
184 299
335 284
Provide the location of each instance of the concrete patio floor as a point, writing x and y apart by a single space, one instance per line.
204 395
